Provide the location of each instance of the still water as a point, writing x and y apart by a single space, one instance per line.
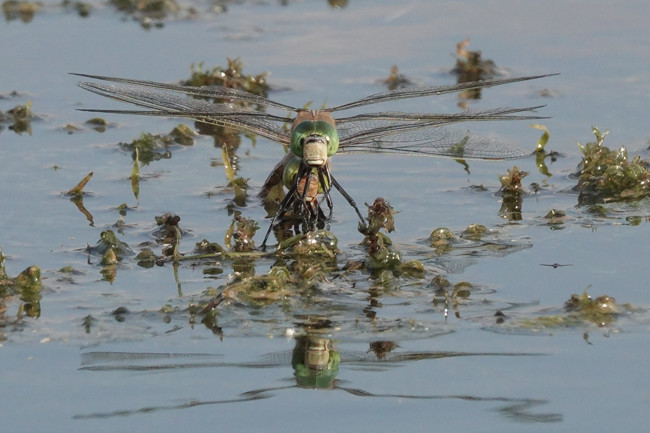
125 352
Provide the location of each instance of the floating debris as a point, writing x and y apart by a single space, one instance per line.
441 239
474 232
231 76
511 182
396 80
146 258
149 13
311 256
540 153
239 185
19 118
77 191
261 289
382 348
606 175
541 143
153 147
239 236
169 234
512 193
578 311
110 247
135 176
22 10
380 254
470 66
82 8
206 247
27 286
97 123
76 195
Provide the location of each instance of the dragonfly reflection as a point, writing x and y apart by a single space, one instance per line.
315 362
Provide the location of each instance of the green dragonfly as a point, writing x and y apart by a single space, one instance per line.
316 135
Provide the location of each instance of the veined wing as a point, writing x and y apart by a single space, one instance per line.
170 104
216 92
423 134
438 142
431 91
466 116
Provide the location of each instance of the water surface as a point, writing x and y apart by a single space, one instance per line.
465 372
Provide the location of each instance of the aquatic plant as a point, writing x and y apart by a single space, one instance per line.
19 118
231 76
23 10
27 286
512 193
606 175
579 310
110 247
470 66
153 147
149 13
396 80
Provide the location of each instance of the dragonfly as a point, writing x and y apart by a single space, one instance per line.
317 135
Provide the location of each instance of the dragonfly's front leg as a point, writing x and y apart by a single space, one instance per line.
348 197
309 187
284 205
325 179
304 208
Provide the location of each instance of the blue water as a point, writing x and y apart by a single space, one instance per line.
570 379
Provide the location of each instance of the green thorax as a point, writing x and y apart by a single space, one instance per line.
291 171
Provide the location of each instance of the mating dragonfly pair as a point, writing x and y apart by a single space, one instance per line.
316 135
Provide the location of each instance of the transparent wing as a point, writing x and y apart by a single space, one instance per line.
431 91
438 142
215 92
180 105
425 134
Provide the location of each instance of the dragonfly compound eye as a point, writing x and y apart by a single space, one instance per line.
311 134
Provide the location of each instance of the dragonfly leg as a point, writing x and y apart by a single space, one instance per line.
284 205
347 197
327 187
306 209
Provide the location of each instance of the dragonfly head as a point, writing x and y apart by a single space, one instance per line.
314 141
